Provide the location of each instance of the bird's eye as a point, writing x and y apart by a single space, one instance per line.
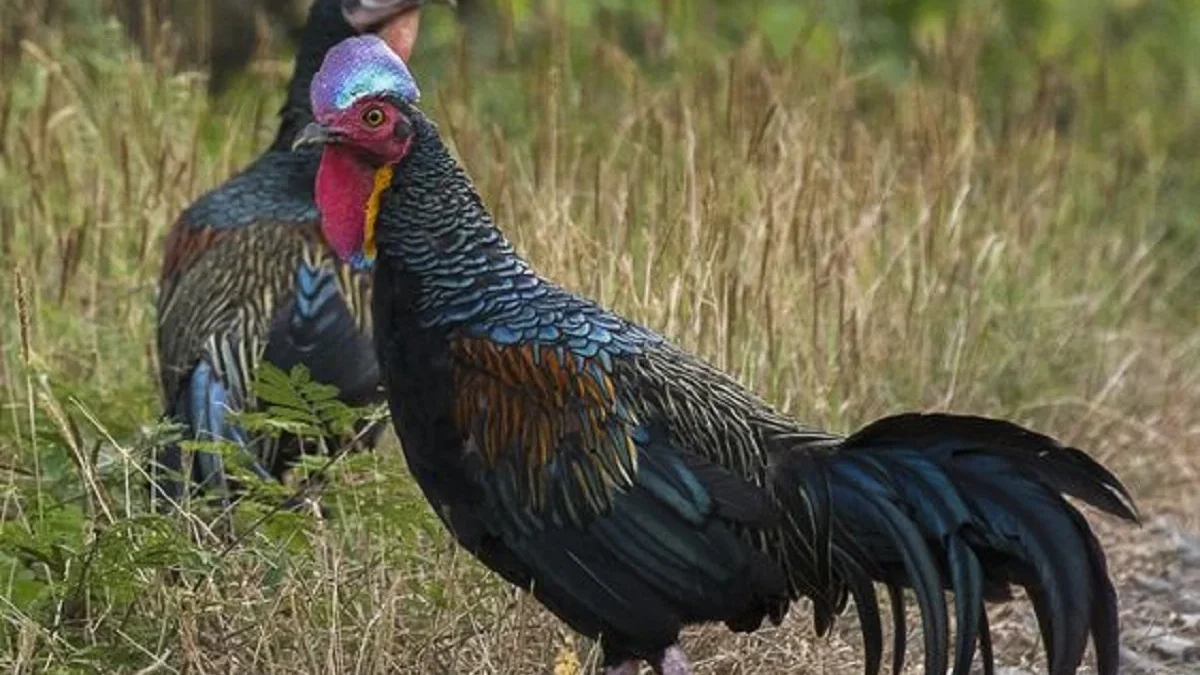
373 117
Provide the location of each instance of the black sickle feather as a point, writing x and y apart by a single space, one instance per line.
1066 469
1062 592
1106 627
867 606
985 644
899 628
915 554
966 575
967 579
967 503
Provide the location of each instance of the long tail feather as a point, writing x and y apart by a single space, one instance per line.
899 628
968 584
971 505
985 644
907 541
867 606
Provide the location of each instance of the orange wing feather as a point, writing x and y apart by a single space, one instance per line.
553 417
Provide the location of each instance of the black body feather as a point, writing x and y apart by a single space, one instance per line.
635 489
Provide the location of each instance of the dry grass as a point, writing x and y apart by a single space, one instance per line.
845 259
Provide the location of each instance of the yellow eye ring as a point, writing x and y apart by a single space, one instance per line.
373 117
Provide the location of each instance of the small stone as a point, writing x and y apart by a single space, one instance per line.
1187 604
1189 551
1009 670
1176 648
1153 584
1187 545
1133 662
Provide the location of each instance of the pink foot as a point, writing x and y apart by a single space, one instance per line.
673 662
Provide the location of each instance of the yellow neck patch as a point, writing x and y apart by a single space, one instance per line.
383 179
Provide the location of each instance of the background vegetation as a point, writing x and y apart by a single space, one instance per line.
987 206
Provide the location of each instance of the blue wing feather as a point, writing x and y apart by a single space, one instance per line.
204 407
318 328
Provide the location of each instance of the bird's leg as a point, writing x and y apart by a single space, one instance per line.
673 662
629 667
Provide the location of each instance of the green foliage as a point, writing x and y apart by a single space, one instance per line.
83 547
294 403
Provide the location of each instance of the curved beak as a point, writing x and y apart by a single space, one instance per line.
314 134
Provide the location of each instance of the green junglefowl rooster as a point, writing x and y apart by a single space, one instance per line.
247 277
635 489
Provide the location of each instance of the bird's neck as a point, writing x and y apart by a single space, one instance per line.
325 28
434 226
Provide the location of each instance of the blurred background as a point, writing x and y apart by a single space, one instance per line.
1094 68
857 207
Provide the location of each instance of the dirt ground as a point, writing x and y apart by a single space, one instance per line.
1157 568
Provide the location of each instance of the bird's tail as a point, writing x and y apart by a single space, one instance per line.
972 505
203 408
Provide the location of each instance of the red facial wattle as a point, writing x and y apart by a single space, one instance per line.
344 187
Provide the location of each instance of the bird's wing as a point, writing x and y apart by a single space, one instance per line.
243 259
620 529
220 289
547 424
324 324
234 293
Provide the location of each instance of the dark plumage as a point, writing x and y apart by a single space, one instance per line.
635 489
247 277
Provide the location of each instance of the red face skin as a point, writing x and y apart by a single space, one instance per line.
370 134
372 127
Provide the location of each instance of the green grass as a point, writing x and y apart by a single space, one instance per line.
845 248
